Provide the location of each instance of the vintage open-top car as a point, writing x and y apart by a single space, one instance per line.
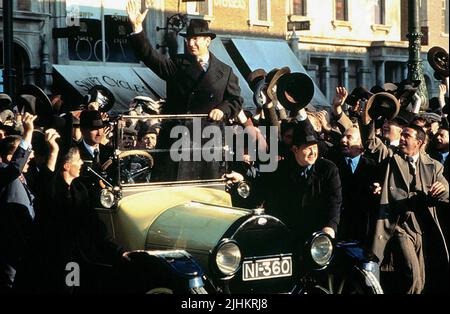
178 220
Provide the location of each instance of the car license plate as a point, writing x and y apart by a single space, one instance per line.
267 268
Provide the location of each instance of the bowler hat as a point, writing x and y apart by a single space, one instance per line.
357 94
406 89
91 119
295 90
256 81
379 105
438 59
198 27
5 101
36 102
101 95
304 134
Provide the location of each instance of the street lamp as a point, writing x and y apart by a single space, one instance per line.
8 71
415 65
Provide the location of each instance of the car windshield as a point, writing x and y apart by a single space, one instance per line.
170 148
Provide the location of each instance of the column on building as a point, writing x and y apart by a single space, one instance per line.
380 79
364 74
325 78
344 73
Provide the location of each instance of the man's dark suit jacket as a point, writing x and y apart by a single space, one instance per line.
304 205
358 202
15 218
189 89
104 150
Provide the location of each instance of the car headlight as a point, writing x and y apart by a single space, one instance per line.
243 190
321 249
107 198
228 258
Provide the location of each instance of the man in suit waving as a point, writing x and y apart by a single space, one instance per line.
197 82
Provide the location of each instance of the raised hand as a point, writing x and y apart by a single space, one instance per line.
135 16
28 126
339 98
51 135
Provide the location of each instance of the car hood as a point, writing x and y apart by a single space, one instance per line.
138 212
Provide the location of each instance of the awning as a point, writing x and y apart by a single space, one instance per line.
218 49
124 82
269 54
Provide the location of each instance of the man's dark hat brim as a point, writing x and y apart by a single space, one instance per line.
256 82
8 129
42 106
304 134
5 101
91 119
198 27
299 87
357 94
103 96
376 89
438 59
382 104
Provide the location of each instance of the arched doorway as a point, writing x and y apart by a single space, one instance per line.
21 64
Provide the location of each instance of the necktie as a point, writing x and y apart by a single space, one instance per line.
203 64
412 171
96 156
350 164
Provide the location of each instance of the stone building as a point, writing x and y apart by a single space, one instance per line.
363 42
347 42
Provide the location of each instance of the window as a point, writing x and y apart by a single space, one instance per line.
262 10
379 12
203 8
341 10
444 16
259 12
90 44
299 7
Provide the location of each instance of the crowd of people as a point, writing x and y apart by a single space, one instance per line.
372 169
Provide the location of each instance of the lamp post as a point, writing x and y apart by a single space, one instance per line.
8 71
415 65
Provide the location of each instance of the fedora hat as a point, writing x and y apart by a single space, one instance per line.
5 101
101 95
304 134
36 102
295 90
198 27
256 82
91 119
357 94
406 90
438 59
379 105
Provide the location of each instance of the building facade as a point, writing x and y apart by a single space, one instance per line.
345 42
363 42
